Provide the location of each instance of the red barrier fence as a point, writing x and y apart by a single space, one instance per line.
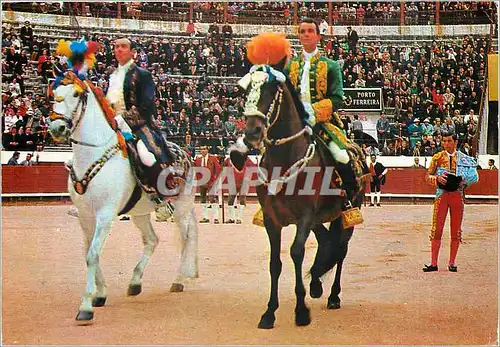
53 178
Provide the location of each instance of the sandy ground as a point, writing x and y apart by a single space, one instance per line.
386 298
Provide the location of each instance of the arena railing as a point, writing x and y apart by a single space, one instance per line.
450 17
181 14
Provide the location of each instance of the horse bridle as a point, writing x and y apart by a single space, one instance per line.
81 89
299 165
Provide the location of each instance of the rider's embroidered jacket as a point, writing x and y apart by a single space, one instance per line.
139 96
325 79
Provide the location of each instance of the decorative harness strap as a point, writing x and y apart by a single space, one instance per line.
258 75
81 185
80 87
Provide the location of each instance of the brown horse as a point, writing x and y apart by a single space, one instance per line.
275 118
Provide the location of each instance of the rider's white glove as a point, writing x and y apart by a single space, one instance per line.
311 119
122 124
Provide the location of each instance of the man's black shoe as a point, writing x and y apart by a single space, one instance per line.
452 268
429 268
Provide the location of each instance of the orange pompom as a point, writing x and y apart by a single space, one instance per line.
268 48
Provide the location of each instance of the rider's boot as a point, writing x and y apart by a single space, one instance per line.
351 215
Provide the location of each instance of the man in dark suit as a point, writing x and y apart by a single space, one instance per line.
132 95
352 39
26 33
378 172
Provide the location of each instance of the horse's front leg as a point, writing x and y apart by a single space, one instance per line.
150 241
102 229
302 313
87 224
275 266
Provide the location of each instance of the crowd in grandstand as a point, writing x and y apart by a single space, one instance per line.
428 86
354 13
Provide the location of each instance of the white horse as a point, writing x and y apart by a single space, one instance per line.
101 184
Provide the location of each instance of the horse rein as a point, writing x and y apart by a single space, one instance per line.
275 185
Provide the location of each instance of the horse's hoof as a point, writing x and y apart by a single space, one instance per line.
85 316
99 302
266 322
134 289
176 288
316 289
303 318
333 305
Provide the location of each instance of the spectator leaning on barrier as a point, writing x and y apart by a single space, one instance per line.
28 161
491 165
13 160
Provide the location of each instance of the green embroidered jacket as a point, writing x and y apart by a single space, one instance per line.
326 87
326 91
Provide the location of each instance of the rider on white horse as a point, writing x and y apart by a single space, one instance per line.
132 95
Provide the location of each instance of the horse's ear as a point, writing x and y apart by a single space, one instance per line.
281 65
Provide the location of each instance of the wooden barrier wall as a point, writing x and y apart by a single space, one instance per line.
53 178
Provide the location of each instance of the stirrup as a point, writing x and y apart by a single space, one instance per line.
164 211
351 217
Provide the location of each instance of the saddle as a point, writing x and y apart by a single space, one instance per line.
352 215
143 173
357 159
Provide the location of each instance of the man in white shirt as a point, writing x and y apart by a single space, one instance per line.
131 93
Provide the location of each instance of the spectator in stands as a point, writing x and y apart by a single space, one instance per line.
323 27
230 128
13 160
213 31
227 31
470 116
418 150
29 140
26 33
11 141
427 128
357 129
448 126
188 146
352 39
415 131
382 129
390 149
491 165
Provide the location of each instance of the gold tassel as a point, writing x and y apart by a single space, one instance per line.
258 218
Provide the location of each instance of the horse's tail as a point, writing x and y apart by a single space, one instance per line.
330 248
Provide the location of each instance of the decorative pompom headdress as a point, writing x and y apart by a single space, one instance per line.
80 54
268 48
